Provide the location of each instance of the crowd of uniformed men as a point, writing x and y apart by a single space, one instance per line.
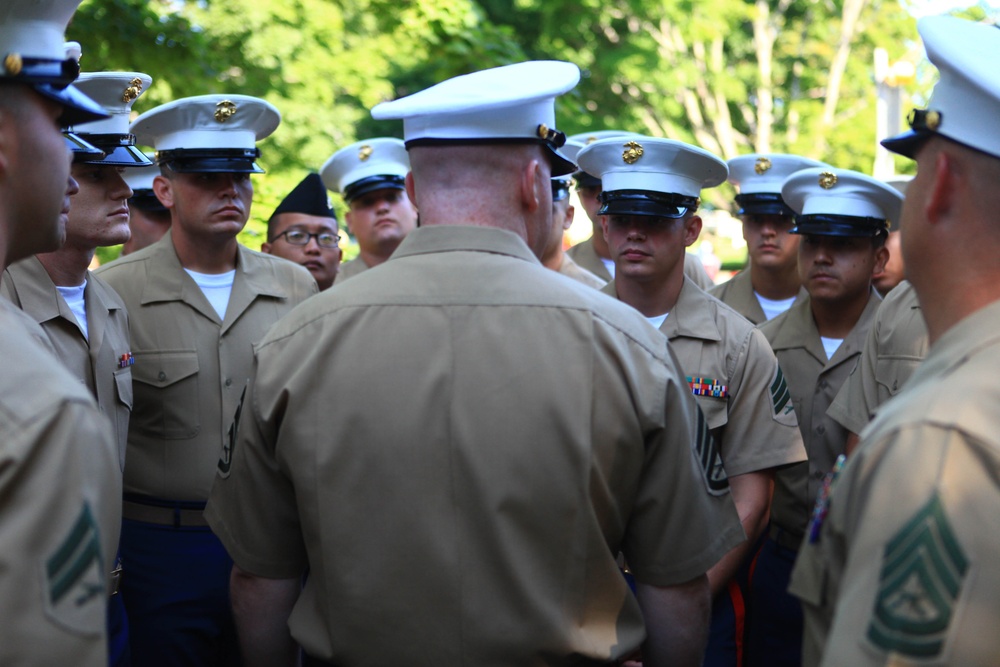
483 450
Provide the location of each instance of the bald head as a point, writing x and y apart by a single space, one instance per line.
498 185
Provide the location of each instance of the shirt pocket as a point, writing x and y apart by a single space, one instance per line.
165 386
123 408
891 373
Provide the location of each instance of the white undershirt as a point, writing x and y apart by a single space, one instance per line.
658 320
217 287
609 264
773 308
73 296
831 345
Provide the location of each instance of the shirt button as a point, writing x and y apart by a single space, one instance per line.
229 381
162 376
821 429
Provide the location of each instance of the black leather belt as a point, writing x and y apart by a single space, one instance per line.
180 514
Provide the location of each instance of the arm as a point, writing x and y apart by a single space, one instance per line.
677 620
261 608
752 496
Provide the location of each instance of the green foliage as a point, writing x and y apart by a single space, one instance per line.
734 76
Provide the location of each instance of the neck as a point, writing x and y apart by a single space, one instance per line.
206 255
67 267
776 283
948 300
649 297
375 258
554 259
836 319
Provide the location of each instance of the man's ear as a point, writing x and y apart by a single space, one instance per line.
164 190
411 189
939 198
881 258
603 220
568 221
7 127
692 230
532 181
265 248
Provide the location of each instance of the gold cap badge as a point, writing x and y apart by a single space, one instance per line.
633 151
827 180
12 63
933 120
762 165
543 131
224 110
365 152
133 90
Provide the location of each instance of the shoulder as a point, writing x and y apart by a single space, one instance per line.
125 265
107 292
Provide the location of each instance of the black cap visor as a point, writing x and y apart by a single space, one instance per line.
923 125
839 225
373 183
119 149
82 150
647 203
763 203
211 160
560 189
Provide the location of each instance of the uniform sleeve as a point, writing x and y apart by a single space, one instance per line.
684 519
762 431
903 564
857 399
61 489
252 504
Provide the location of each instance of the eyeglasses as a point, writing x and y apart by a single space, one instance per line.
299 237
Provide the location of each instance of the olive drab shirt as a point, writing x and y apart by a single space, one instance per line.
583 253
736 380
191 367
896 344
351 269
101 361
904 571
738 294
813 381
537 428
61 489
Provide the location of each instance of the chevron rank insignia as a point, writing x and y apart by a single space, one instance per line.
229 446
781 397
707 387
922 572
707 450
75 583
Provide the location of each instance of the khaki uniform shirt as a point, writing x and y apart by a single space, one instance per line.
96 360
896 345
904 571
61 490
738 294
350 269
573 270
813 382
191 367
736 380
583 253
457 446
